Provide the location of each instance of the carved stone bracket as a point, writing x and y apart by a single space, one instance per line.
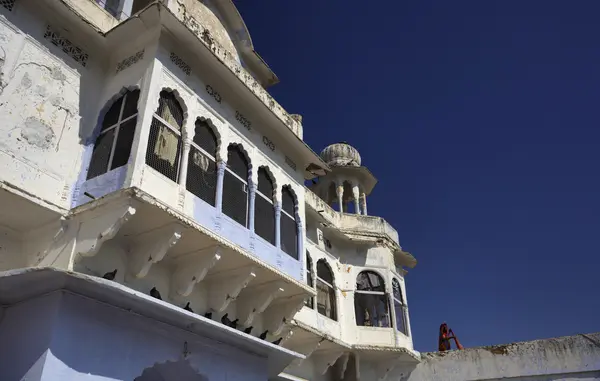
226 286
192 269
151 247
305 347
325 359
94 232
255 300
282 312
384 367
344 364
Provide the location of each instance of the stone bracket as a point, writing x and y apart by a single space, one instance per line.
225 287
306 347
94 232
281 313
192 269
255 300
384 367
151 247
344 364
325 359
58 239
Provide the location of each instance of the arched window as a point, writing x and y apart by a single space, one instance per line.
289 228
164 143
325 290
399 308
264 212
310 302
202 167
371 303
113 145
235 185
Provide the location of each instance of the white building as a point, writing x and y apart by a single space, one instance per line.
137 136
141 156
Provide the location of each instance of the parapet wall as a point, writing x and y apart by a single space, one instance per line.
571 358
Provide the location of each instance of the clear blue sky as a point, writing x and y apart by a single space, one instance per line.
481 121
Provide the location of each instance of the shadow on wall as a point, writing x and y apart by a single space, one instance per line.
171 371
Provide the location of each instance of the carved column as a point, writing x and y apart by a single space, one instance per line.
340 196
278 224
252 186
356 197
364 204
300 239
183 167
220 174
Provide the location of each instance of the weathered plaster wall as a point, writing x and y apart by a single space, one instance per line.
564 358
208 16
26 332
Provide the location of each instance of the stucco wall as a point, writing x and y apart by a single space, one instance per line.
564 358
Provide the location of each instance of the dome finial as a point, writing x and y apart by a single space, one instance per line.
341 154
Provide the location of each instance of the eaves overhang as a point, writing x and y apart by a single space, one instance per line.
23 284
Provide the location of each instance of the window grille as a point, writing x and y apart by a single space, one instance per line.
113 145
325 291
66 45
129 61
289 228
235 186
8 4
164 142
264 210
371 302
309 280
180 63
202 166
399 308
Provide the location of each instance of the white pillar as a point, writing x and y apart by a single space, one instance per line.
356 197
340 195
183 163
364 204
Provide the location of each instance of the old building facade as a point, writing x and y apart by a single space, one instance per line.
154 220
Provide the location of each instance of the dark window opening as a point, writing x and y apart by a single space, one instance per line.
235 186
164 142
371 303
325 291
289 227
399 308
113 146
264 211
309 280
202 167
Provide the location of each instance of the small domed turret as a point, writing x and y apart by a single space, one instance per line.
341 155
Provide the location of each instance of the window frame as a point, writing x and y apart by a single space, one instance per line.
271 200
403 308
117 128
196 146
292 217
310 275
245 182
331 288
383 293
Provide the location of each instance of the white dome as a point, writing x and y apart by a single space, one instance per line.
341 155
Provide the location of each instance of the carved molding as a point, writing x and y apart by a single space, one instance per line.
255 300
94 232
280 313
193 268
151 247
226 286
325 359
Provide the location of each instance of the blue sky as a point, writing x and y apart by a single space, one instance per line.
481 121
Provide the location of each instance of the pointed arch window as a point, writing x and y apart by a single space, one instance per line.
325 290
235 186
289 227
164 143
371 302
264 210
399 308
113 146
202 166
310 302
